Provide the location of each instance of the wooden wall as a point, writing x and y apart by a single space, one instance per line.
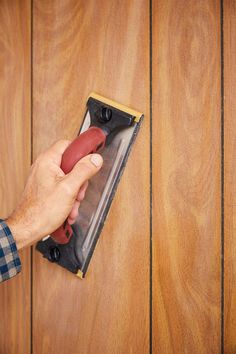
163 276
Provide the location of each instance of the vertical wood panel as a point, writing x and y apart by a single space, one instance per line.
80 46
186 176
14 162
230 174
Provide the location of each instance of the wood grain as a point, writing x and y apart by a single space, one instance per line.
230 175
79 47
186 177
14 162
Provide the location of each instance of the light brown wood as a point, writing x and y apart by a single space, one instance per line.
186 177
83 46
230 175
14 162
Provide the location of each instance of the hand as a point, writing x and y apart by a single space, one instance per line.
50 196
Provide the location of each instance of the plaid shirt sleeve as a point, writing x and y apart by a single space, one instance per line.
10 263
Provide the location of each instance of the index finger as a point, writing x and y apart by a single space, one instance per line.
57 149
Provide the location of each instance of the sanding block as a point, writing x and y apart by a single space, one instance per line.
110 129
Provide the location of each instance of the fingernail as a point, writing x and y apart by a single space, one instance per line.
96 160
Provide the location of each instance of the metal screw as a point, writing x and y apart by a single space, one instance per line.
54 254
106 114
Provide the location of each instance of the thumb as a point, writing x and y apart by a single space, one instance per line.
86 168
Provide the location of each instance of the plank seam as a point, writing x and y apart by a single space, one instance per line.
151 191
31 117
222 169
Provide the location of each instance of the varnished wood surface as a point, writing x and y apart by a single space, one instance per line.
14 162
79 47
104 47
186 177
230 175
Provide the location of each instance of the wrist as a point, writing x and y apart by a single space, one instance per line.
21 233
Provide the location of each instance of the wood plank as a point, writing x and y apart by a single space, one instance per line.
14 162
230 175
186 176
79 47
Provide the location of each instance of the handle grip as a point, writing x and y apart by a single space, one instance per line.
86 143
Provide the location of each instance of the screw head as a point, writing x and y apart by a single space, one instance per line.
54 254
105 115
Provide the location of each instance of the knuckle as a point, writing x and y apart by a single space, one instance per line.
67 189
86 168
41 160
62 142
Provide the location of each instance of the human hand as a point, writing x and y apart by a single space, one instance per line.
50 196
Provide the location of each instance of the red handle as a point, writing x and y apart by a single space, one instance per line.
86 143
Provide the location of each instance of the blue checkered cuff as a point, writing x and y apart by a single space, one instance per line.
10 263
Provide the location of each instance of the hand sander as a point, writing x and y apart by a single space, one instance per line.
109 128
